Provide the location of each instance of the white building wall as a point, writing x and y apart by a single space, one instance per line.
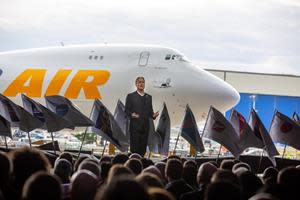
272 84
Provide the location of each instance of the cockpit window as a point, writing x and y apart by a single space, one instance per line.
168 57
176 57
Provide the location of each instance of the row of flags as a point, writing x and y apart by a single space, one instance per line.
234 134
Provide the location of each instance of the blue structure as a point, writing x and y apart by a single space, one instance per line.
265 105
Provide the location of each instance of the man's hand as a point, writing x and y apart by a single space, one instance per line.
155 115
135 115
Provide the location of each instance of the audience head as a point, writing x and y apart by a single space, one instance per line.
153 170
105 167
239 165
173 169
189 174
149 180
222 190
79 161
135 165
249 184
42 185
227 164
105 159
91 166
136 156
26 161
63 169
205 172
67 156
119 159
269 176
5 168
161 166
122 188
118 170
160 194
222 175
83 185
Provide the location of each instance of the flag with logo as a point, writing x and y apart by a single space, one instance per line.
64 108
220 130
18 116
164 130
189 130
296 118
285 131
107 127
52 122
5 127
261 132
246 136
122 119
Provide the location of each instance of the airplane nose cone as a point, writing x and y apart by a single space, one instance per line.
218 93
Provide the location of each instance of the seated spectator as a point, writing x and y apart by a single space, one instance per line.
42 185
5 176
105 159
189 174
122 188
205 172
136 156
68 156
119 159
91 166
222 190
135 165
105 167
153 170
161 166
79 161
118 170
149 180
83 185
190 162
26 161
63 169
222 175
240 164
160 194
269 176
249 184
176 185
289 180
227 164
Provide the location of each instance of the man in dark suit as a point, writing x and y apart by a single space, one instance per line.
138 107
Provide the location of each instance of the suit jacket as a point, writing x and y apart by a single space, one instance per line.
141 105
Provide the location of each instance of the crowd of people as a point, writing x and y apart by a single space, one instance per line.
27 174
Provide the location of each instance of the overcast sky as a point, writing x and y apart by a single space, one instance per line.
262 35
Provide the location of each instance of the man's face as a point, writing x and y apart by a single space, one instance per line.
140 84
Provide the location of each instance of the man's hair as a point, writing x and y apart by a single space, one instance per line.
42 185
174 169
26 161
138 78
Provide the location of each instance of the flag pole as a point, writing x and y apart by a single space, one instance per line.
84 134
283 151
174 151
104 148
260 160
5 142
29 139
219 153
54 149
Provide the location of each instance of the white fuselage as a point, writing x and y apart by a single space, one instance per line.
73 72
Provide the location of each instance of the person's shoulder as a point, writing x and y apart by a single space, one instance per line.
148 95
132 93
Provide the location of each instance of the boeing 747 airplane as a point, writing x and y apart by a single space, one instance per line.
108 72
